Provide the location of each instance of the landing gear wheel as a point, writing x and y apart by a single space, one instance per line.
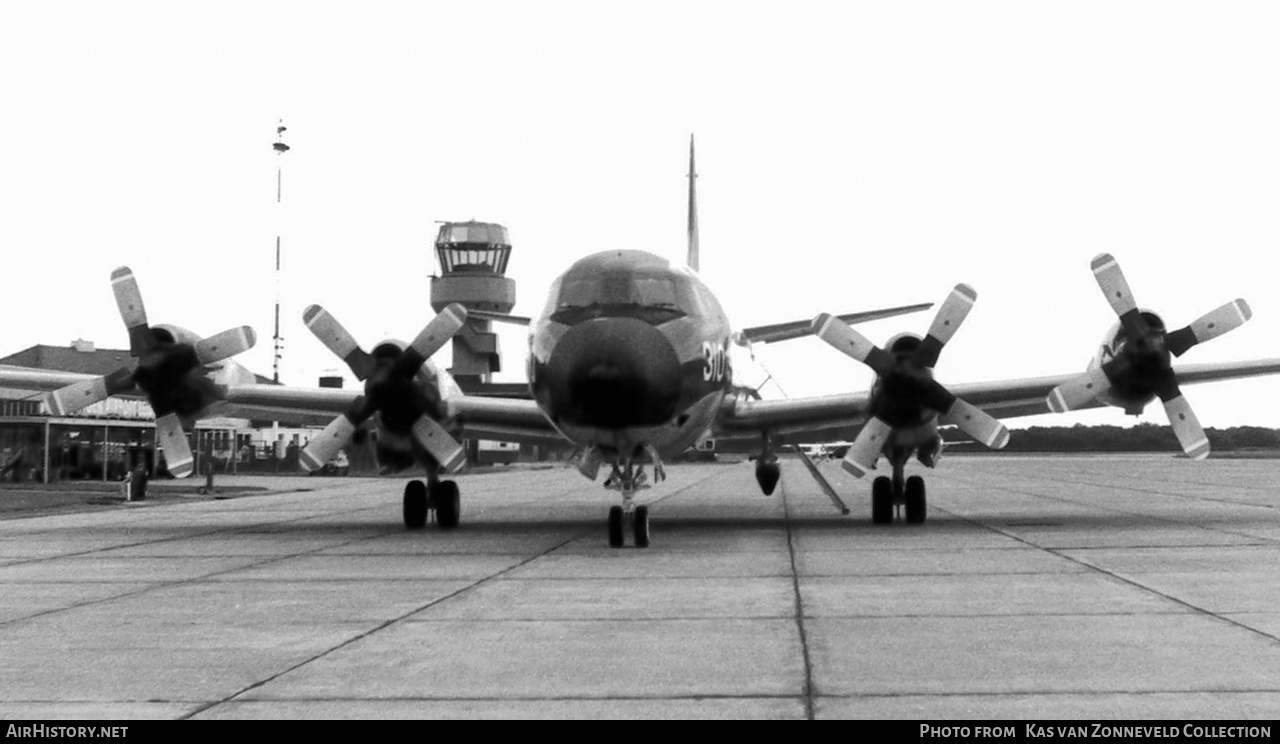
914 494
615 526
415 505
448 504
882 500
640 525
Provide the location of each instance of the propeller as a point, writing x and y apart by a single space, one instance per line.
162 372
1142 367
908 393
389 388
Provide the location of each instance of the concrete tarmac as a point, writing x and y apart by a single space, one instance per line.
1040 587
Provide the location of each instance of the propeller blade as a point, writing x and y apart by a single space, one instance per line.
338 340
129 300
1213 324
431 338
78 395
1116 289
976 423
226 344
952 313
173 442
435 440
1187 428
865 450
324 446
853 344
1079 391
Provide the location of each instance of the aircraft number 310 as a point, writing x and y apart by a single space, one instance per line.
717 359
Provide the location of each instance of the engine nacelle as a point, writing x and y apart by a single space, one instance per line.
204 387
1131 388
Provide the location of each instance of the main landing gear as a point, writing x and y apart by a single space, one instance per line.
886 493
421 498
627 479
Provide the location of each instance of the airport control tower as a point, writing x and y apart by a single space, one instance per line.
473 263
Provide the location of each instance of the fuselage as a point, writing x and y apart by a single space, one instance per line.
630 352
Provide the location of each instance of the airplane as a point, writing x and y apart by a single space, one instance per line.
629 362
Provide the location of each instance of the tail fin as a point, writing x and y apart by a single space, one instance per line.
693 211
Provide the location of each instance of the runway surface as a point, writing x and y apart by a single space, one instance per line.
1041 587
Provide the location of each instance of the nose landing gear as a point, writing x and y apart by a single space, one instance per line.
628 478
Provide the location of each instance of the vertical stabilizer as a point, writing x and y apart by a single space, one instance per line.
693 211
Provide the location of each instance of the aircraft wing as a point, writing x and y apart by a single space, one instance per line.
474 417
26 378
838 416
797 328
504 419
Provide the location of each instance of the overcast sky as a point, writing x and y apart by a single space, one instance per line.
852 156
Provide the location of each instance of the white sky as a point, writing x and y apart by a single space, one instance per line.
852 156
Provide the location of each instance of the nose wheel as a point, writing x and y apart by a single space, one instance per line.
637 519
628 479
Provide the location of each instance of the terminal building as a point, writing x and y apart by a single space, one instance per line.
102 441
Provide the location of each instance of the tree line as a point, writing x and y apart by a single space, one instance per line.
1145 437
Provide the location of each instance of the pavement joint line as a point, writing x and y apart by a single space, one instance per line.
807 693
149 587
1050 693
514 698
1126 580
1094 505
382 626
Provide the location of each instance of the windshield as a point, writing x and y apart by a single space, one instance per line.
618 289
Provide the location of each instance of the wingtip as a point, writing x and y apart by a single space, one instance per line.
1246 312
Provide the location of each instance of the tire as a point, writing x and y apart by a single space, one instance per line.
615 526
914 494
882 500
641 526
448 504
415 505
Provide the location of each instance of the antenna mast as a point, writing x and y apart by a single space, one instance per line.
281 148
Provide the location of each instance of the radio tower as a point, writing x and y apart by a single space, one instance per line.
281 148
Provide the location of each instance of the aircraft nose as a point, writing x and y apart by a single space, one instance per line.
614 373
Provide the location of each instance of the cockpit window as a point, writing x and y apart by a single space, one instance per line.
619 289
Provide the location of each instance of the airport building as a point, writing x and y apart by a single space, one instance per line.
110 438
